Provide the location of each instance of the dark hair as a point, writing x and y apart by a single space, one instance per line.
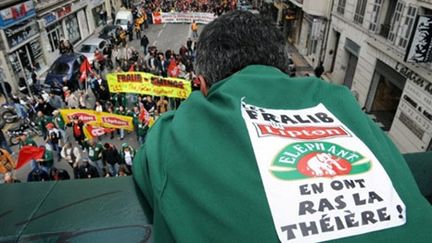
235 40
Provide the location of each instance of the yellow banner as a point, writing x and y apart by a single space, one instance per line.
101 119
149 84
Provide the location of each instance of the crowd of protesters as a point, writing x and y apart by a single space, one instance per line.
89 158
210 6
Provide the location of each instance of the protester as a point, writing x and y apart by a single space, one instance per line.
127 155
144 43
77 131
55 101
42 120
37 174
10 179
319 70
24 140
60 125
7 163
87 171
47 160
231 167
4 143
95 155
111 158
53 138
57 174
72 156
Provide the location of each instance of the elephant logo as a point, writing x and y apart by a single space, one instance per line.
304 160
323 164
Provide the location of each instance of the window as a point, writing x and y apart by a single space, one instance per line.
373 26
360 11
341 6
406 28
395 21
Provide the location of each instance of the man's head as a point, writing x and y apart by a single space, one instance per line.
236 40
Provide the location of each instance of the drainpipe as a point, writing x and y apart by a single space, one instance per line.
326 34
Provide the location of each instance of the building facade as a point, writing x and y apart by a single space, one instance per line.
31 30
366 48
309 24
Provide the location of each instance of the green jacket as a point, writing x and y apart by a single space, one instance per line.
43 121
95 153
58 120
28 141
199 173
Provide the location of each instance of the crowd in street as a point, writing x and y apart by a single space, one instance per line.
90 158
215 6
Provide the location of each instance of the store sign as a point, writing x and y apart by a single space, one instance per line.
18 34
415 108
61 12
420 45
12 15
49 18
36 48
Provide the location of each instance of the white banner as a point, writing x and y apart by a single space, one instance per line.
321 181
200 18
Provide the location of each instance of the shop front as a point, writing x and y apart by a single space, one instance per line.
22 47
99 12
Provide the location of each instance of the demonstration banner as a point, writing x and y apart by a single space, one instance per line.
321 181
182 17
100 119
149 84
92 131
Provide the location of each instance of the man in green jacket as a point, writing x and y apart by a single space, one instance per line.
257 156
95 155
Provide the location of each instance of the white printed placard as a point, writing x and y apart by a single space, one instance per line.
321 181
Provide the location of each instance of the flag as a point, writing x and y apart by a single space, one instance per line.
173 70
84 69
28 153
144 115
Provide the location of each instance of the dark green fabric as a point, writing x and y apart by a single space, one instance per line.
421 168
198 171
88 210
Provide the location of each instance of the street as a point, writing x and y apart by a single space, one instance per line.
167 36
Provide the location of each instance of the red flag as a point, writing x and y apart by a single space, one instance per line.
173 70
84 69
143 115
27 153
132 68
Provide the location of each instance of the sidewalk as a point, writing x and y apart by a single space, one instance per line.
302 65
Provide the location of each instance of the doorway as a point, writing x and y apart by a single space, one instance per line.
350 70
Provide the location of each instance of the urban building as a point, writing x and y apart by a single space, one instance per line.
367 46
309 22
31 30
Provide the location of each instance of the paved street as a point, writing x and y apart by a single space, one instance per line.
164 37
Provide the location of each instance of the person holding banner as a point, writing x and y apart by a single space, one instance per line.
77 131
253 158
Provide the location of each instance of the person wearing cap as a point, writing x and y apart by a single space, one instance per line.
127 155
60 124
25 140
95 155
53 138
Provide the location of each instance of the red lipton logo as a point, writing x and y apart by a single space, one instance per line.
115 121
83 117
304 133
